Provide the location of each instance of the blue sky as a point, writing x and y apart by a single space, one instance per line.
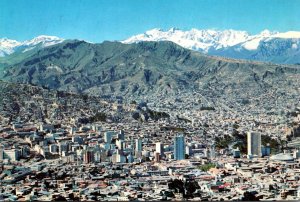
98 20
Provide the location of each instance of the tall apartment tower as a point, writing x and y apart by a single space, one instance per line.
1 152
108 135
179 147
254 144
159 148
138 145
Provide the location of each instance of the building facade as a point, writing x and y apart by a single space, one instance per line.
179 147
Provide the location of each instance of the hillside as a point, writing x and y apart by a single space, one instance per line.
35 104
145 68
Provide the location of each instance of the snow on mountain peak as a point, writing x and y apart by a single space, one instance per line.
210 39
45 40
8 46
287 35
195 39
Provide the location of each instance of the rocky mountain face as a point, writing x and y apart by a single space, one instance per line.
145 69
266 46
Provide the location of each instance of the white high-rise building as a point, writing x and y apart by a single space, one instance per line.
160 148
254 144
179 147
138 145
1 153
120 144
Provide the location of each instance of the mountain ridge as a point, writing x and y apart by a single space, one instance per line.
141 69
232 43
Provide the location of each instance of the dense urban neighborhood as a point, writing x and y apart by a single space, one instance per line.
61 146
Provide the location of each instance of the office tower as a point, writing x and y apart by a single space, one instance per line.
108 136
236 153
121 135
1 153
120 158
160 148
120 144
138 145
179 147
97 156
88 156
265 150
53 148
63 147
254 144
130 158
188 150
156 157
212 151
72 130
12 154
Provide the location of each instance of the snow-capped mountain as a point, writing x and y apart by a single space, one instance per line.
8 46
265 46
201 40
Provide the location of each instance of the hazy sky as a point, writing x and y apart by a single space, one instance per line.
98 20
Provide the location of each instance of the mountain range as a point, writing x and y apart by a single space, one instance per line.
266 46
9 46
145 68
275 47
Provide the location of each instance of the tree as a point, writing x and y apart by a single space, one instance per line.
250 196
206 167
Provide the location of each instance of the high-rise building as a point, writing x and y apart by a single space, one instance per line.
88 156
53 148
156 157
120 144
121 135
12 154
236 153
138 145
1 153
179 147
63 147
108 135
159 148
254 144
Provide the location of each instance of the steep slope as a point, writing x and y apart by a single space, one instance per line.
145 68
35 104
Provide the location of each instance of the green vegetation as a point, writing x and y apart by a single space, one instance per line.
99 116
207 108
241 142
133 102
172 128
183 119
206 167
223 142
154 115
187 188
